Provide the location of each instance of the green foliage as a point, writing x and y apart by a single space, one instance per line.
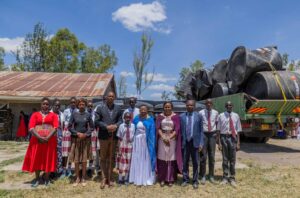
185 71
33 53
122 87
98 60
291 66
165 95
2 54
285 59
140 61
62 53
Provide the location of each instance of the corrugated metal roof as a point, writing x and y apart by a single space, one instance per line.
61 85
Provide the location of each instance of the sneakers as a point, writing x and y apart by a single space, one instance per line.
224 181
195 185
203 180
184 184
233 183
35 183
47 183
63 174
212 180
68 173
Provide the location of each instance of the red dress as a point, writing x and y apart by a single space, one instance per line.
22 129
41 156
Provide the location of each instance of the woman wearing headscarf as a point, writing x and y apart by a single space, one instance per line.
143 161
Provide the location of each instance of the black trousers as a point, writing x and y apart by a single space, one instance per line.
209 149
229 156
190 151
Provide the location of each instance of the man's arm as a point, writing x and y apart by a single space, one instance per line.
98 119
201 132
119 117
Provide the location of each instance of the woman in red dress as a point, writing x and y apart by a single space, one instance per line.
41 153
22 128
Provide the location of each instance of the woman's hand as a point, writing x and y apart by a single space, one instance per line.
166 140
81 135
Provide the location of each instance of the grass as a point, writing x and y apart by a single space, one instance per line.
2 176
252 182
11 161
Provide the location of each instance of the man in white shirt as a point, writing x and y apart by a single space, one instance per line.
132 109
210 118
229 126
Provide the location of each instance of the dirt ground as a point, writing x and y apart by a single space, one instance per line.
263 170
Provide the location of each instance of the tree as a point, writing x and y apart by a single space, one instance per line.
140 61
33 53
291 66
166 95
62 53
2 54
98 60
122 86
185 71
285 59
65 50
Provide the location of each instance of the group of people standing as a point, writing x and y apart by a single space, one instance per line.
148 147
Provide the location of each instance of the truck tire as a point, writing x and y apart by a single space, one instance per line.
265 140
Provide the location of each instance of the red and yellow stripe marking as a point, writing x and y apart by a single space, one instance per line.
257 110
296 110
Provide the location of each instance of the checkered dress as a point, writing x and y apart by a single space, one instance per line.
66 142
94 139
126 134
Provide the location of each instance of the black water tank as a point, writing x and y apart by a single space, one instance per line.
219 72
263 85
220 89
244 62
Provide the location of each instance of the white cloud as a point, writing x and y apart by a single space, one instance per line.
127 74
140 17
11 44
159 77
161 87
156 95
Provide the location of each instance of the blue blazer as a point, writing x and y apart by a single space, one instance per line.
197 130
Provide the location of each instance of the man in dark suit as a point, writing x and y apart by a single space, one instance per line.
108 117
192 141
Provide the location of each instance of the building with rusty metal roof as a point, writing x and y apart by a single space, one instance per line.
32 86
24 90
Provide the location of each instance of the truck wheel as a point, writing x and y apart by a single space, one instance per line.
265 140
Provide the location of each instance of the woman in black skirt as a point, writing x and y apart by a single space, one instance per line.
81 126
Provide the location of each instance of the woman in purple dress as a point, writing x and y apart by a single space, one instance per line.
169 158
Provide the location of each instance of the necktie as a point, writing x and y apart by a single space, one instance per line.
189 127
231 126
208 120
131 114
127 134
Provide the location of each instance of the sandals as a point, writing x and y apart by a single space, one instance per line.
83 182
76 182
102 185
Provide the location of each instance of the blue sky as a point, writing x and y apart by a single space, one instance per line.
183 31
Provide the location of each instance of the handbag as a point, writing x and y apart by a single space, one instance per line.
44 130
